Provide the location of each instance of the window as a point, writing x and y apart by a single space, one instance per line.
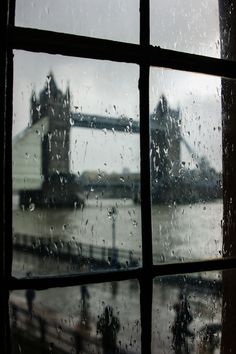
173 183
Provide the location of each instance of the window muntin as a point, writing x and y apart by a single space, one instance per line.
115 20
186 165
76 165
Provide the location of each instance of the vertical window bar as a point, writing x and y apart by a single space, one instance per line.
11 12
144 23
4 291
7 19
8 165
228 49
146 279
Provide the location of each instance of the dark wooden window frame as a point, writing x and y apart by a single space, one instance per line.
145 56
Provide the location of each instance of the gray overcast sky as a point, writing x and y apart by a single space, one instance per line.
102 87
186 25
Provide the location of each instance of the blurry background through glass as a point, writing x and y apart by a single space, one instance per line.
193 26
76 165
108 19
186 165
192 313
97 318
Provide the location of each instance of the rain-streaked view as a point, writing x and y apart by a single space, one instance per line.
77 187
86 319
76 167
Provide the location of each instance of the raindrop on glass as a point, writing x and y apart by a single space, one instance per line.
31 207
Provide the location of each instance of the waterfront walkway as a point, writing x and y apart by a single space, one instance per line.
49 331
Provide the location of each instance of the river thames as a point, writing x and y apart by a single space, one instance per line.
180 232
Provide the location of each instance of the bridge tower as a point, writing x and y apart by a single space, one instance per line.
165 142
58 186
55 105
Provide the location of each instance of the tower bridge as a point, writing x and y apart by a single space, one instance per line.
41 152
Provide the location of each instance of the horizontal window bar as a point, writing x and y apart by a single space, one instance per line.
41 283
193 267
191 62
72 45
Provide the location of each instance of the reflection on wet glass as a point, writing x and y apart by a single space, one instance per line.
187 313
93 18
102 318
76 165
186 165
197 26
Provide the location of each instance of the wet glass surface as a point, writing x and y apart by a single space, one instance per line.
100 318
196 26
191 313
76 165
186 165
93 18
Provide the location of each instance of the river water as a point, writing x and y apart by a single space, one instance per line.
180 232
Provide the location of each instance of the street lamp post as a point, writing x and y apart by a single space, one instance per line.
114 251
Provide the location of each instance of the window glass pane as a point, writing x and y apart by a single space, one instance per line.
100 318
186 165
76 164
108 19
193 313
202 27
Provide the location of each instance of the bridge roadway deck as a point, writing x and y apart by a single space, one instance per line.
122 124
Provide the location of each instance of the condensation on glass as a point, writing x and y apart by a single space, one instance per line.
108 19
196 26
186 165
76 165
193 313
85 319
